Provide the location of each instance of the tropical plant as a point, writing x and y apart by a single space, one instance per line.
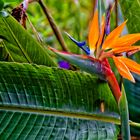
39 100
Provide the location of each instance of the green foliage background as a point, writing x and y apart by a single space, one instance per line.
73 17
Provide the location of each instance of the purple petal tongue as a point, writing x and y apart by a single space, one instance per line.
107 27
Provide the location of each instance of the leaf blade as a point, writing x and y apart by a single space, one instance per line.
20 44
124 113
34 90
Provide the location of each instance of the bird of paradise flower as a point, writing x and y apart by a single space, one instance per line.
102 47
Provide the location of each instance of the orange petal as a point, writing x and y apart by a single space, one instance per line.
102 33
126 40
93 32
123 69
124 49
132 65
113 36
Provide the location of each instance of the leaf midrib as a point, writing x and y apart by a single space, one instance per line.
98 117
8 51
20 47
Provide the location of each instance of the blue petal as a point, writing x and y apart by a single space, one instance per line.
82 44
79 44
86 49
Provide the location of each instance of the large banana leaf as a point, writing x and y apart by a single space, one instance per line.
39 102
20 45
131 11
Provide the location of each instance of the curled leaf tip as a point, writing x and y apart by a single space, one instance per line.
4 14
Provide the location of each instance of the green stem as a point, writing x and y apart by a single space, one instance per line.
124 113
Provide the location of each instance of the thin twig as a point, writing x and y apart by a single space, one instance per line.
116 11
94 5
53 25
34 31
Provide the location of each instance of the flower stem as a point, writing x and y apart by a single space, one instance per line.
116 11
53 25
112 81
114 86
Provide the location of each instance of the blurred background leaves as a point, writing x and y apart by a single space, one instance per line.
72 16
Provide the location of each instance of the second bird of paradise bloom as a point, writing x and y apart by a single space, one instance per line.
102 47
